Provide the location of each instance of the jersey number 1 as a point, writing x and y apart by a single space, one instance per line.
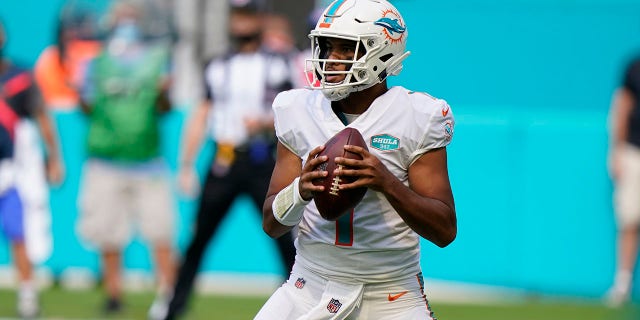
344 230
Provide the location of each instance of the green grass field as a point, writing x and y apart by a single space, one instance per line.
63 304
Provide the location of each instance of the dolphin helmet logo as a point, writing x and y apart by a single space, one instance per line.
393 26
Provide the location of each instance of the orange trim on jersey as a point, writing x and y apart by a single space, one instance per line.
8 118
424 296
16 85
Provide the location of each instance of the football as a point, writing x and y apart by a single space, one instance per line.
332 202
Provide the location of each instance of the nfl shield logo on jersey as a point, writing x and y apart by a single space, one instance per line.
300 283
334 305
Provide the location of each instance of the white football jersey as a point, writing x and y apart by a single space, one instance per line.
34 191
372 243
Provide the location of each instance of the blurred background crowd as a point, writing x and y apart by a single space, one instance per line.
119 73
530 81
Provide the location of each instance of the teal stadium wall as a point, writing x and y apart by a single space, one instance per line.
530 83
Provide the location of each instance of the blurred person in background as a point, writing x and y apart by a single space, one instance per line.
277 37
61 66
57 72
624 167
126 184
302 74
24 214
236 114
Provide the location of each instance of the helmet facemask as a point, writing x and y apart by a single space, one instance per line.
361 72
379 34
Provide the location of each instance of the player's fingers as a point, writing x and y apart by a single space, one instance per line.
315 174
356 149
350 162
342 171
315 189
313 160
315 151
316 161
353 185
306 181
313 166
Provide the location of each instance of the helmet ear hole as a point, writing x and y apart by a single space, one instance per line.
386 57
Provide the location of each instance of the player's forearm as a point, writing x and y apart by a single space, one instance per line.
163 103
85 106
193 136
623 104
431 218
270 225
48 135
190 149
619 131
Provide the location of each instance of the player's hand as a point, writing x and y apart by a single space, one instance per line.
188 183
164 84
55 171
615 165
369 171
306 186
253 125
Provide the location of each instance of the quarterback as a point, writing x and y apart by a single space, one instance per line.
365 265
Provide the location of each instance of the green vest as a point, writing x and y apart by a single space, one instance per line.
124 120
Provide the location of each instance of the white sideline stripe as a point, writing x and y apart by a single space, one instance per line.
247 284
458 292
238 284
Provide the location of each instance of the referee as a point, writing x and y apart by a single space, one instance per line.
237 116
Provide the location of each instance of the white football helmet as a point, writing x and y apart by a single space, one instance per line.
377 28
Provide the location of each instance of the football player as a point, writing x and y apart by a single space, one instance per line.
365 265
25 126
624 165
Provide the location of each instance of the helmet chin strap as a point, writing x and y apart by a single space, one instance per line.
337 94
